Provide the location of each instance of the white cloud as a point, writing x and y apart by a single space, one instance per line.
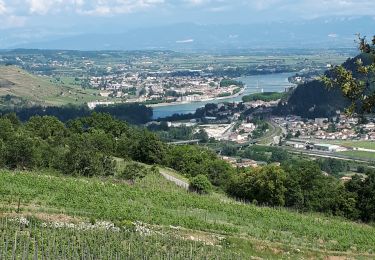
185 41
283 9
3 8
43 7
40 6
113 7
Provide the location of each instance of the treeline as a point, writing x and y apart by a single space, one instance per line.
91 146
132 113
265 96
230 82
302 186
88 146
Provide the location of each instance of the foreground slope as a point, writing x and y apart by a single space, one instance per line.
22 86
214 220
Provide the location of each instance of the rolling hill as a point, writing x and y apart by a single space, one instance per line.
18 87
313 99
154 219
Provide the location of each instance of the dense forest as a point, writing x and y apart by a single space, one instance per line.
264 96
89 146
132 113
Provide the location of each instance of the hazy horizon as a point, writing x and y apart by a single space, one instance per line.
37 23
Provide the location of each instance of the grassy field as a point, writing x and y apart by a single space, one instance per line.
360 154
360 144
41 90
353 143
245 229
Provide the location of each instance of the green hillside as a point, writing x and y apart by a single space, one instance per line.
314 99
178 223
18 87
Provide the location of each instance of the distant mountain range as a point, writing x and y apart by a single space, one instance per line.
337 32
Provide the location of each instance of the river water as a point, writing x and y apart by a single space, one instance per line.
254 84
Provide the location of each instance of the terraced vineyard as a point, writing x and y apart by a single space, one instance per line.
19 84
24 238
154 218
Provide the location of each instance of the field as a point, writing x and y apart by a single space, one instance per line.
174 217
360 144
352 143
360 154
41 90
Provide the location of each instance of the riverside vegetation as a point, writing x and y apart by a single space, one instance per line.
73 168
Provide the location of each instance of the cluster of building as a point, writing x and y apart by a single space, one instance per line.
136 87
230 132
240 163
340 127
242 133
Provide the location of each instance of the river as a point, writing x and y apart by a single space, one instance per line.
269 83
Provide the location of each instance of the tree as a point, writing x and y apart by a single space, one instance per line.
279 155
47 128
6 129
261 185
366 198
84 159
201 184
307 187
21 151
357 84
2 153
148 148
202 136
133 171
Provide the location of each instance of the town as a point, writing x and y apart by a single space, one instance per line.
132 88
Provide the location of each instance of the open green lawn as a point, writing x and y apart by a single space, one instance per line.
266 232
360 154
354 144
360 144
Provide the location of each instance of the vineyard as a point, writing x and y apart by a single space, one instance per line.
47 215
31 239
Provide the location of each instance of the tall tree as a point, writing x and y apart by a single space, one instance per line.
357 84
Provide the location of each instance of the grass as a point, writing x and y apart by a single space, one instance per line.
273 131
360 154
30 238
155 201
41 90
360 144
353 143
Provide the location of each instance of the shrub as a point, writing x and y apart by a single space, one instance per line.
133 171
201 184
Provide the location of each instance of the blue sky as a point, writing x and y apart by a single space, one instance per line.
21 20
57 13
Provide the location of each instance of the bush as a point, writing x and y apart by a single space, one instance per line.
133 171
201 184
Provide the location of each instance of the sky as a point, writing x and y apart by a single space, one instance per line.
40 18
56 13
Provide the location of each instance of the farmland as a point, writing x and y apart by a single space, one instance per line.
267 232
360 154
